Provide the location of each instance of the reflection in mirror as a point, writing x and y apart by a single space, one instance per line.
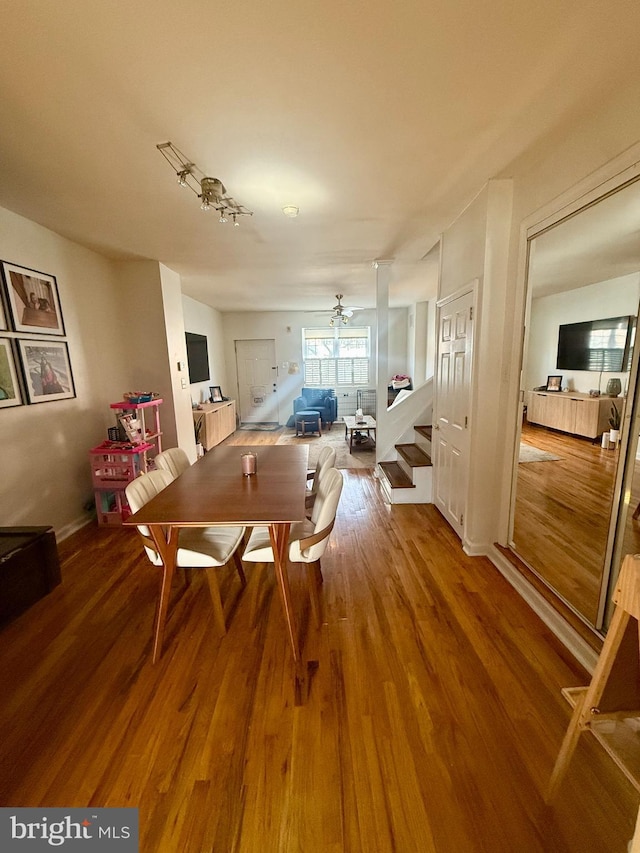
584 292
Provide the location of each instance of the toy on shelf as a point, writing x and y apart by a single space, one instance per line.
114 464
131 416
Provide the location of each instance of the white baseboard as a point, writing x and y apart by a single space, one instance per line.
569 638
73 526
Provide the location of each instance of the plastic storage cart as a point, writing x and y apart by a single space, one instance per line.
113 466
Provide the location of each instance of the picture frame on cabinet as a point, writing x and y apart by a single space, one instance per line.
215 394
10 393
33 300
554 383
46 370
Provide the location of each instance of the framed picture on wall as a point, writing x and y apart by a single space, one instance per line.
47 370
10 394
33 300
3 317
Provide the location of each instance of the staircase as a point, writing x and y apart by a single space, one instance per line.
408 480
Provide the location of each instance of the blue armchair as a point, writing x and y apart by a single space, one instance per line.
321 400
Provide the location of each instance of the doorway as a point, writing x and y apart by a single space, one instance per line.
452 406
257 381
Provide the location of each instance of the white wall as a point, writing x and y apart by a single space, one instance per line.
204 320
120 320
178 396
561 165
475 249
285 328
613 298
44 447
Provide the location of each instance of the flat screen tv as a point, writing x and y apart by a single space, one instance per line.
600 345
198 357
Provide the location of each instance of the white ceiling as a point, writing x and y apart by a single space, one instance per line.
379 120
599 243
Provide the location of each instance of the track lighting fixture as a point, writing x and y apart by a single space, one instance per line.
211 191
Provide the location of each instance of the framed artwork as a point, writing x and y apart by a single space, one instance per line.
33 300
215 392
47 370
3 316
10 394
554 383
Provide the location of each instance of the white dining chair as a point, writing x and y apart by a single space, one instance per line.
198 547
174 460
307 540
326 460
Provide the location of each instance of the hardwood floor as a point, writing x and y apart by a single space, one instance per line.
562 515
432 724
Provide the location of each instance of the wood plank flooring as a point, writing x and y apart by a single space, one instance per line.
432 723
562 515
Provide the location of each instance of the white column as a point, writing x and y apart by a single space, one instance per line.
383 277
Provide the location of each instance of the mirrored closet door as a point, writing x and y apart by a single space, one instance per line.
573 503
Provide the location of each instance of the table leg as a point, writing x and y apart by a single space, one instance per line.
279 534
167 546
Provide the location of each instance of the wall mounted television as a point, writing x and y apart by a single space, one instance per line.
597 345
197 357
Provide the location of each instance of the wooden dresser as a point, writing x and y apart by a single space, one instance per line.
570 411
218 421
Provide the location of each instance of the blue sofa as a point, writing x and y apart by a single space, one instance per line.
321 400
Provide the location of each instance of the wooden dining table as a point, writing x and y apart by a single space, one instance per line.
214 492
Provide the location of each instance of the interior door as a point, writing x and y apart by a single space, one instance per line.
452 407
257 381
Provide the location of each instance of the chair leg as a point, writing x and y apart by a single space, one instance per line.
238 561
161 611
214 590
313 572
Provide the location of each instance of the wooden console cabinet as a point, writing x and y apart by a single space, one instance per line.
570 411
29 568
218 422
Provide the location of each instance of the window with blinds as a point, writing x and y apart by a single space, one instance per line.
334 357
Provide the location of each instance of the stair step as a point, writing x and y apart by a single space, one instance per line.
414 455
396 476
424 430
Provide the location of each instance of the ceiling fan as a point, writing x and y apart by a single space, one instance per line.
341 314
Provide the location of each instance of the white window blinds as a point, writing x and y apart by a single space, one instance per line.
334 357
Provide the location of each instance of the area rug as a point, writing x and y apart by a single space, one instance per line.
528 453
261 427
364 457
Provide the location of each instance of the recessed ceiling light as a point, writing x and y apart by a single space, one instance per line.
291 211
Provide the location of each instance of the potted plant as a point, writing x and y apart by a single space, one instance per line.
197 428
614 423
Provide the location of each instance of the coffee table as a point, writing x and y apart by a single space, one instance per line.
351 425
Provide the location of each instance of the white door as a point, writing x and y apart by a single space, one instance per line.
257 381
452 407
